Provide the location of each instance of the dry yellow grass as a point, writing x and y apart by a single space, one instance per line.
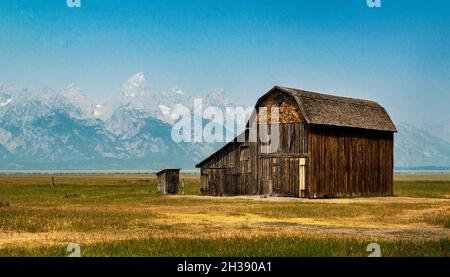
93 210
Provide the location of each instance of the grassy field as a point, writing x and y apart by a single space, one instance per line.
123 215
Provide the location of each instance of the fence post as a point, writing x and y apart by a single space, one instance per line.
53 185
182 187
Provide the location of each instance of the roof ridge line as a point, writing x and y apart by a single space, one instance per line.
328 95
365 102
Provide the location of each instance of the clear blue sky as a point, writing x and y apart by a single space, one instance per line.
398 54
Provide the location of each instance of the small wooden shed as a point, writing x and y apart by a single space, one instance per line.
168 180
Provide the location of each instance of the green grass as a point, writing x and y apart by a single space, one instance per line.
440 220
437 176
240 247
428 189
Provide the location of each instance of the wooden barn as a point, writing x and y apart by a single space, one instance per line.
329 146
168 181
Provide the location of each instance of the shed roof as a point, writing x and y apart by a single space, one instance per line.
324 109
223 148
167 169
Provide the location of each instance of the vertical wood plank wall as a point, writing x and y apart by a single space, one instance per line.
162 183
231 172
279 171
172 180
168 181
345 162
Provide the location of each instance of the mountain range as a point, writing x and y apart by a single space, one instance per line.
421 148
65 130
48 130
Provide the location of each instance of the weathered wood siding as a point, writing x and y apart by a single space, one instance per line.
168 181
231 172
280 176
162 183
247 170
293 138
215 171
345 161
279 170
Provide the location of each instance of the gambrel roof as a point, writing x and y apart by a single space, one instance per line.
323 109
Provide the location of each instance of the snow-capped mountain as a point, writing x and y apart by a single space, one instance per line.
135 93
5 97
45 129
72 99
415 147
220 99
